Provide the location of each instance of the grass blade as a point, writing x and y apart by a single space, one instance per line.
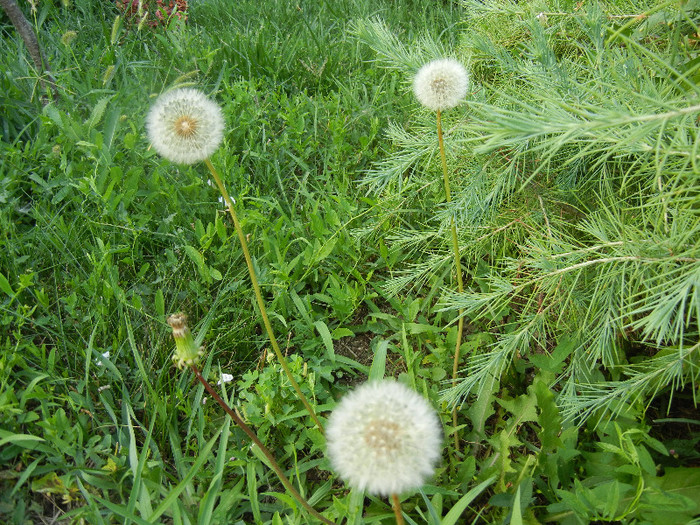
455 512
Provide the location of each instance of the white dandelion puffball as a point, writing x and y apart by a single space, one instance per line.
441 84
384 438
184 126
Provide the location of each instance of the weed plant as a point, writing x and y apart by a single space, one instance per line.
574 178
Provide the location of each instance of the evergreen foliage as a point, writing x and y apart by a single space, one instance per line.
576 199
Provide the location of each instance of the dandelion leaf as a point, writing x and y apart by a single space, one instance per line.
676 498
524 407
549 417
482 408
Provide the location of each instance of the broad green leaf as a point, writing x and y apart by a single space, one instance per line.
378 367
355 500
326 338
22 440
482 408
418 328
160 304
301 307
253 491
613 500
684 481
516 517
5 286
198 259
341 332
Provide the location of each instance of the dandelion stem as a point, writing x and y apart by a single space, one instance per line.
458 269
396 505
258 295
273 463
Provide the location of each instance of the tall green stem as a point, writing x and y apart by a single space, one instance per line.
458 268
273 463
258 295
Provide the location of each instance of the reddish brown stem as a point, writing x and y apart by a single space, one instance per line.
253 436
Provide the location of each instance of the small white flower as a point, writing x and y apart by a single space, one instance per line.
441 84
384 438
225 378
184 126
106 356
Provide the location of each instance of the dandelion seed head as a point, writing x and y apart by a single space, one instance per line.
384 438
441 84
184 126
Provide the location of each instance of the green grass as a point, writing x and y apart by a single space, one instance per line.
576 206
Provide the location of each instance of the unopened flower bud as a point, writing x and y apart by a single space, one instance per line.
186 351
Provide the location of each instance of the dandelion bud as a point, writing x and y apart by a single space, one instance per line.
184 126
186 351
384 438
441 84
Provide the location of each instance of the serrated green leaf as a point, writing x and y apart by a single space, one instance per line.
503 442
549 417
553 362
524 407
